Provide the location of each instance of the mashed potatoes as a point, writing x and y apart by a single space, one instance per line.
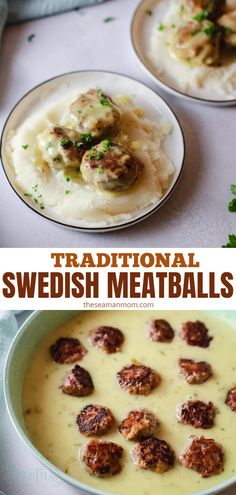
218 80
63 194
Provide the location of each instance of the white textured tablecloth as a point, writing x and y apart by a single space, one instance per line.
196 215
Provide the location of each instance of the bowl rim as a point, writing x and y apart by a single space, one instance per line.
111 227
36 453
165 86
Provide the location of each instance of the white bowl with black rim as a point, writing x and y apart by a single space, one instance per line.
142 96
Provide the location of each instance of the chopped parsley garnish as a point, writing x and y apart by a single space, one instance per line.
36 199
196 31
101 93
161 27
108 19
227 30
149 12
68 178
86 138
100 155
35 187
65 142
28 195
105 102
67 191
106 144
92 155
101 170
211 30
79 144
233 189
231 243
232 205
204 14
25 146
182 8
31 37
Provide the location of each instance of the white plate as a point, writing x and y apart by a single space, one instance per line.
142 28
142 96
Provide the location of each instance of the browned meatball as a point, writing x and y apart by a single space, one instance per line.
67 350
205 456
194 372
139 424
160 331
138 379
94 112
109 339
102 458
197 414
110 167
196 334
95 420
231 399
62 147
78 382
154 454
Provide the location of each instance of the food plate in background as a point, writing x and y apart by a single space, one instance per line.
154 107
150 15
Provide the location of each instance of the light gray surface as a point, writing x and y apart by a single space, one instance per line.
21 473
196 215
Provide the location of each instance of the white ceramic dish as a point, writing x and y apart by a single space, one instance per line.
142 96
141 31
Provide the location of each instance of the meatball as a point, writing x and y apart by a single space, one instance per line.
203 455
102 458
228 23
197 414
194 372
160 331
230 5
95 420
231 399
109 339
94 112
67 350
61 147
154 454
78 382
196 334
195 6
138 379
110 167
139 424
191 43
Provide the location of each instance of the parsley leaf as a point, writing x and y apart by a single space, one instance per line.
231 243
105 102
233 188
109 19
201 16
161 27
31 37
25 146
232 205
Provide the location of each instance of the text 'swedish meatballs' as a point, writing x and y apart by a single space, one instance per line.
95 420
108 339
110 167
197 414
196 334
194 372
154 454
138 379
231 399
67 350
205 456
96 113
139 424
78 382
101 458
160 331
62 147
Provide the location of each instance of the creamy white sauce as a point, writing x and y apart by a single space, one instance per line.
52 419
